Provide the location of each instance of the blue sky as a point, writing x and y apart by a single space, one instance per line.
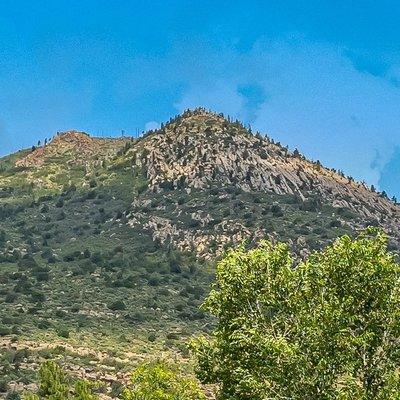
322 76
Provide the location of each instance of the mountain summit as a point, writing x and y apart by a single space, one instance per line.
230 177
201 148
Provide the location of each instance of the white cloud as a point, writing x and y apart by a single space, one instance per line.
313 97
315 100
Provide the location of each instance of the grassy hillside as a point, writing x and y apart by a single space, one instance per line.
103 267
72 271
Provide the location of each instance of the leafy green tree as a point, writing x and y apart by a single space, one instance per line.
328 328
54 384
162 381
53 381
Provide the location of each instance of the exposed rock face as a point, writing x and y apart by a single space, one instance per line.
201 149
76 147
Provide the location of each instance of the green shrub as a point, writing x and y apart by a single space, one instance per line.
117 305
38 297
60 203
43 324
335 224
54 384
116 389
154 279
63 332
276 210
91 194
42 276
3 385
4 330
83 391
11 297
152 337
92 183
13 396
44 209
172 336
162 381
60 216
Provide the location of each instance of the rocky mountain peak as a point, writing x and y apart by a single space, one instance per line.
196 122
202 149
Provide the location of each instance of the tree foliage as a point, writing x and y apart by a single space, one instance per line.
150 381
328 328
55 384
162 381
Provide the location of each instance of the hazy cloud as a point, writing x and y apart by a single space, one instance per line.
312 97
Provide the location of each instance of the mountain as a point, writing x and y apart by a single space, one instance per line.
202 152
107 246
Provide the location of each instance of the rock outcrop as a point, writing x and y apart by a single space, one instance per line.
201 149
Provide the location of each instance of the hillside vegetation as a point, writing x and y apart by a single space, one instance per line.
108 246
325 328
